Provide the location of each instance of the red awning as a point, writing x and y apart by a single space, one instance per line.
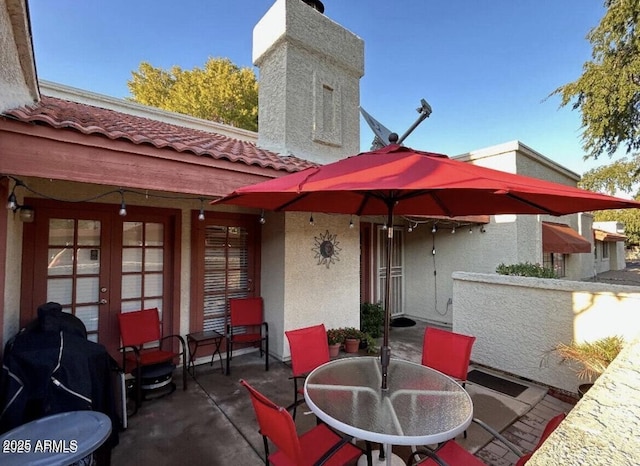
602 235
561 238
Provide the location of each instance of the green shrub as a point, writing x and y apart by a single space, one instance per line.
372 319
526 269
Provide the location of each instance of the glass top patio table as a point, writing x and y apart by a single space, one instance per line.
420 406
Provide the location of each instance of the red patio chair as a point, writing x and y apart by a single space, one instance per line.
309 349
447 352
142 346
247 326
451 453
320 445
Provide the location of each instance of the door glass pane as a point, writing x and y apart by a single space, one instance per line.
132 260
61 231
60 261
88 233
88 261
153 284
89 316
87 290
128 306
132 233
153 260
131 286
154 234
59 290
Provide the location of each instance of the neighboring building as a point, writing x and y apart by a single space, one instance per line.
609 250
79 161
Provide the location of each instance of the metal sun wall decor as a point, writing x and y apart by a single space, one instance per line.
326 248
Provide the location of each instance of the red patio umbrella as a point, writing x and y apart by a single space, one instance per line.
398 180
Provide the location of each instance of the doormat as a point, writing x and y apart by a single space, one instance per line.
498 384
402 322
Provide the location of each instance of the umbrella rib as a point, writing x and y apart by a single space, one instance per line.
433 195
291 202
532 204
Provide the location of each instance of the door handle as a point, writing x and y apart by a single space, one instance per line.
103 301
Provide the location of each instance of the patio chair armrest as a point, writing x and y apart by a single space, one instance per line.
179 337
136 352
266 329
413 459
500 437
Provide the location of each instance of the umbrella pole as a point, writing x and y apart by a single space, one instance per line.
385 351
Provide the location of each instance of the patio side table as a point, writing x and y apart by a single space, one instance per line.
208 337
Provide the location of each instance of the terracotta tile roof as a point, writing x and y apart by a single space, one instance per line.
88 119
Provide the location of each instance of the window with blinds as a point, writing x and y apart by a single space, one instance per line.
226 272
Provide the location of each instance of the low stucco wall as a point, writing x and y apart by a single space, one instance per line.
517 320
602 429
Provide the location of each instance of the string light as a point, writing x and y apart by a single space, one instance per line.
311 222
351 222
123 206
201 214
12 202
453 230
434 229
262 219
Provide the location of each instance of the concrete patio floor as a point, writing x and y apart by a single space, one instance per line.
212 422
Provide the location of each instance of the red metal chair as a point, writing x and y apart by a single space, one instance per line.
447 352
142 346
309 349
247 326
451 453
320 445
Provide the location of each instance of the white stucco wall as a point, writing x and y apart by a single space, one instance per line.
309 91
315 293
17 68
517 320
12 274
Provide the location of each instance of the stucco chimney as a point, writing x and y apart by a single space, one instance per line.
310 70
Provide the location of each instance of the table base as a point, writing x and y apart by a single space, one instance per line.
395 460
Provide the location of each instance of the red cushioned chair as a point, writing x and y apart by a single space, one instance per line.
447 352
309 349
247 326
320 445
451 453
143 345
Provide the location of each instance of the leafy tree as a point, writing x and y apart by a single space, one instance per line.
618 177
608 92
221 91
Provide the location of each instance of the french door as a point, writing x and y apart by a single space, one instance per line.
97 264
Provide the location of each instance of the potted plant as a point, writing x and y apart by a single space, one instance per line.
592 358
352 337
335 338
372 319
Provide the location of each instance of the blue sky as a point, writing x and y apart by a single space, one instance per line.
486 67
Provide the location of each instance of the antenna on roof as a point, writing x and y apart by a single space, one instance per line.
380 131
382 134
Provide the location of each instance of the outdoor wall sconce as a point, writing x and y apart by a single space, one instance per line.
27 214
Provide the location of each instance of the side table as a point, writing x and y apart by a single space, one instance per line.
208 337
